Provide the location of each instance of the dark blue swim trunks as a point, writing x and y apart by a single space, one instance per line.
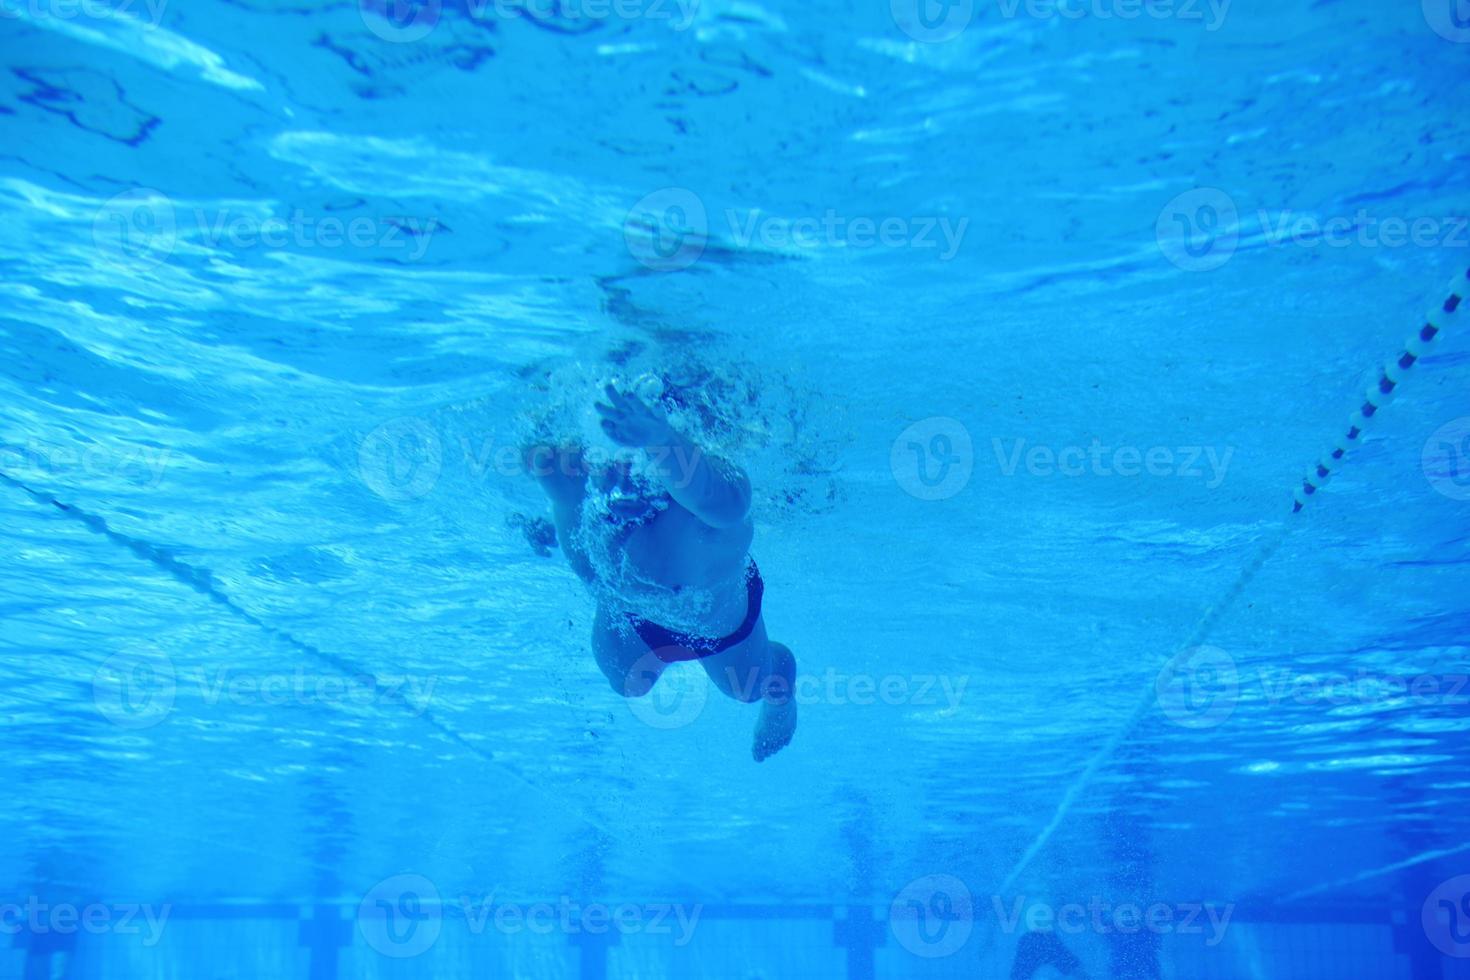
674 647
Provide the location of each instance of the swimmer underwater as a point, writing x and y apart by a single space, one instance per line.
665 549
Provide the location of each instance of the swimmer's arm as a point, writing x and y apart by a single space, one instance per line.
712 489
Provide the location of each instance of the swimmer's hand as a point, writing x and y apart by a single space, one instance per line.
631 423
713 490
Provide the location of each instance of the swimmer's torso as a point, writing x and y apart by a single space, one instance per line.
673 568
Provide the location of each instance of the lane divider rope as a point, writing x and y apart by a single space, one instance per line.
201 580
1389 379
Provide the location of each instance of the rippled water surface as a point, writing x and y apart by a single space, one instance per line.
285 287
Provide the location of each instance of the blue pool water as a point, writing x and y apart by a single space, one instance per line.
1027 322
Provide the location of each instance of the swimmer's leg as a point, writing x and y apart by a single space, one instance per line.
777 724
561 473
760 669
630 667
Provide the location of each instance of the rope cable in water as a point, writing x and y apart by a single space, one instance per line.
1389 378
201 580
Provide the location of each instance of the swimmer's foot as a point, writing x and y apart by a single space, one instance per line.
778 709
774 730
